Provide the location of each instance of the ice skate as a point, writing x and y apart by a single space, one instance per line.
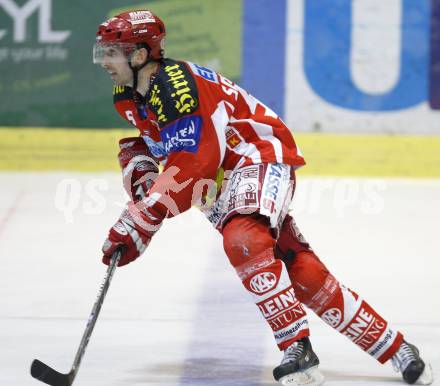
299 366
414 370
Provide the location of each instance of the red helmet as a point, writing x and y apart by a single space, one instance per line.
128 30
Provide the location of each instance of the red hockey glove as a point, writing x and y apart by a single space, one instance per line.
132 233
139 167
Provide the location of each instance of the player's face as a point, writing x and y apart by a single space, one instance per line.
116 64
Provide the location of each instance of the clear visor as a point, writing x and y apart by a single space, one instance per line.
112 52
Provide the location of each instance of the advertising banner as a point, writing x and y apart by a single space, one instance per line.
328 65
47 75
347 66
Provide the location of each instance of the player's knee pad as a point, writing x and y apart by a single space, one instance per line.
245 237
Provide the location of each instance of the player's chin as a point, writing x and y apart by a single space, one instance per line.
118 81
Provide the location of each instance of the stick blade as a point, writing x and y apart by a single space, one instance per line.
46 374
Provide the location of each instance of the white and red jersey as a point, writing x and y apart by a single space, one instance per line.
199 121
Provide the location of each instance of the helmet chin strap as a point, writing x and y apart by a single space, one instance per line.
139 99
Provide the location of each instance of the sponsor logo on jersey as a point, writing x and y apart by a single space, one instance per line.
205 73
263 282
247 199
332 317
182 135
243 190
184 101
251 172
173 94
269 205
156 148
233 138
122 93
271 187
118 90
273 181
157 105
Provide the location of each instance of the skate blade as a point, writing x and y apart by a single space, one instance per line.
427 376
309 377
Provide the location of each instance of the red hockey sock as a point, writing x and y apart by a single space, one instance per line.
342 308
249 246
334 303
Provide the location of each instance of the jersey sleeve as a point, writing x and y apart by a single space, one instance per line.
123 102
125 106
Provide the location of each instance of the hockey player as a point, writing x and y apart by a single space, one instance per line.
228 153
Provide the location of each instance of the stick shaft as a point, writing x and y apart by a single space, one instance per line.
95 312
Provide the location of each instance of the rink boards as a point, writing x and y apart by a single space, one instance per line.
40 149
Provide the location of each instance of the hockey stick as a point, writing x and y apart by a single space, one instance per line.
46 374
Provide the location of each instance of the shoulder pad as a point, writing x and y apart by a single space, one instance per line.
173 93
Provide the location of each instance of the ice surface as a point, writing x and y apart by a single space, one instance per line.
179 315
